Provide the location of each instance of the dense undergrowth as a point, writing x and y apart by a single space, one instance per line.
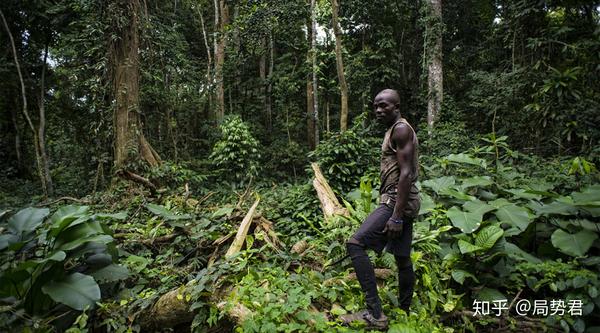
495 224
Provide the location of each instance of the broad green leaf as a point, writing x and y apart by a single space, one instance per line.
593 211
76 291
115 216
466 159
476 181
222 212
103 239
456 194
427 203
478 206
8 239
499 202
489 294
553 208
437 184
588 196
467 222
514 215
163 212
487 237
111 273
582 223
65 215
466 247
575 245
459 276
524 194
27 220
515 252
56 256
78 232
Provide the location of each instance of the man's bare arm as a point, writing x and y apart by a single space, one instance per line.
402 138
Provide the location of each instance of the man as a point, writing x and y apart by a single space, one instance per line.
390 225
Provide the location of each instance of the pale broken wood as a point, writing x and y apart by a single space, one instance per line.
329 202
240 237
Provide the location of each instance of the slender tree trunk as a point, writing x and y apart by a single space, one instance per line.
42 129
25 111
435 73
340 66
221 20
310 106
209 78
130 142
315 82
262 73
13 115
269 82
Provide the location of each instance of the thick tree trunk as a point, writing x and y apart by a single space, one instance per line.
130 143
340 66
435 72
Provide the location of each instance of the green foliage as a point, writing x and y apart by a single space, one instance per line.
235 156
345 157
46 261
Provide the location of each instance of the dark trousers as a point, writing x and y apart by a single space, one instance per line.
367 237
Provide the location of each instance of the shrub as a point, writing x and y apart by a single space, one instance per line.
235 156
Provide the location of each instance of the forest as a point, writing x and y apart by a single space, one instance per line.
198 166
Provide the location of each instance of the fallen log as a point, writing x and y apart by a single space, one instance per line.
329 202
240 237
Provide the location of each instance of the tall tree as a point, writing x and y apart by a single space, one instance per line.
434 68
340 66
39 142
221 21
315 82
130 143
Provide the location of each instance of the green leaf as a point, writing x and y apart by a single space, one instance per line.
575 245
102 239
163 212
515 252
64 216
588 196
524 194
115 216
76 291
459 276
8 239
466 247
456 194
437 184
467 222
487 237
514 215
463 158
489 294
478 206
427 203
222 212
78 233
111 273
27 220
476 181
553 208
56 256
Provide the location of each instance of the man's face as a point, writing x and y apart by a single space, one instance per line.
386 111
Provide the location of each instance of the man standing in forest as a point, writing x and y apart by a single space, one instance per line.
390 225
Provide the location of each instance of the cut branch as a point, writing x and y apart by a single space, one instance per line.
329 202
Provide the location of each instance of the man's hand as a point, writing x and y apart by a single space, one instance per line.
393 228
